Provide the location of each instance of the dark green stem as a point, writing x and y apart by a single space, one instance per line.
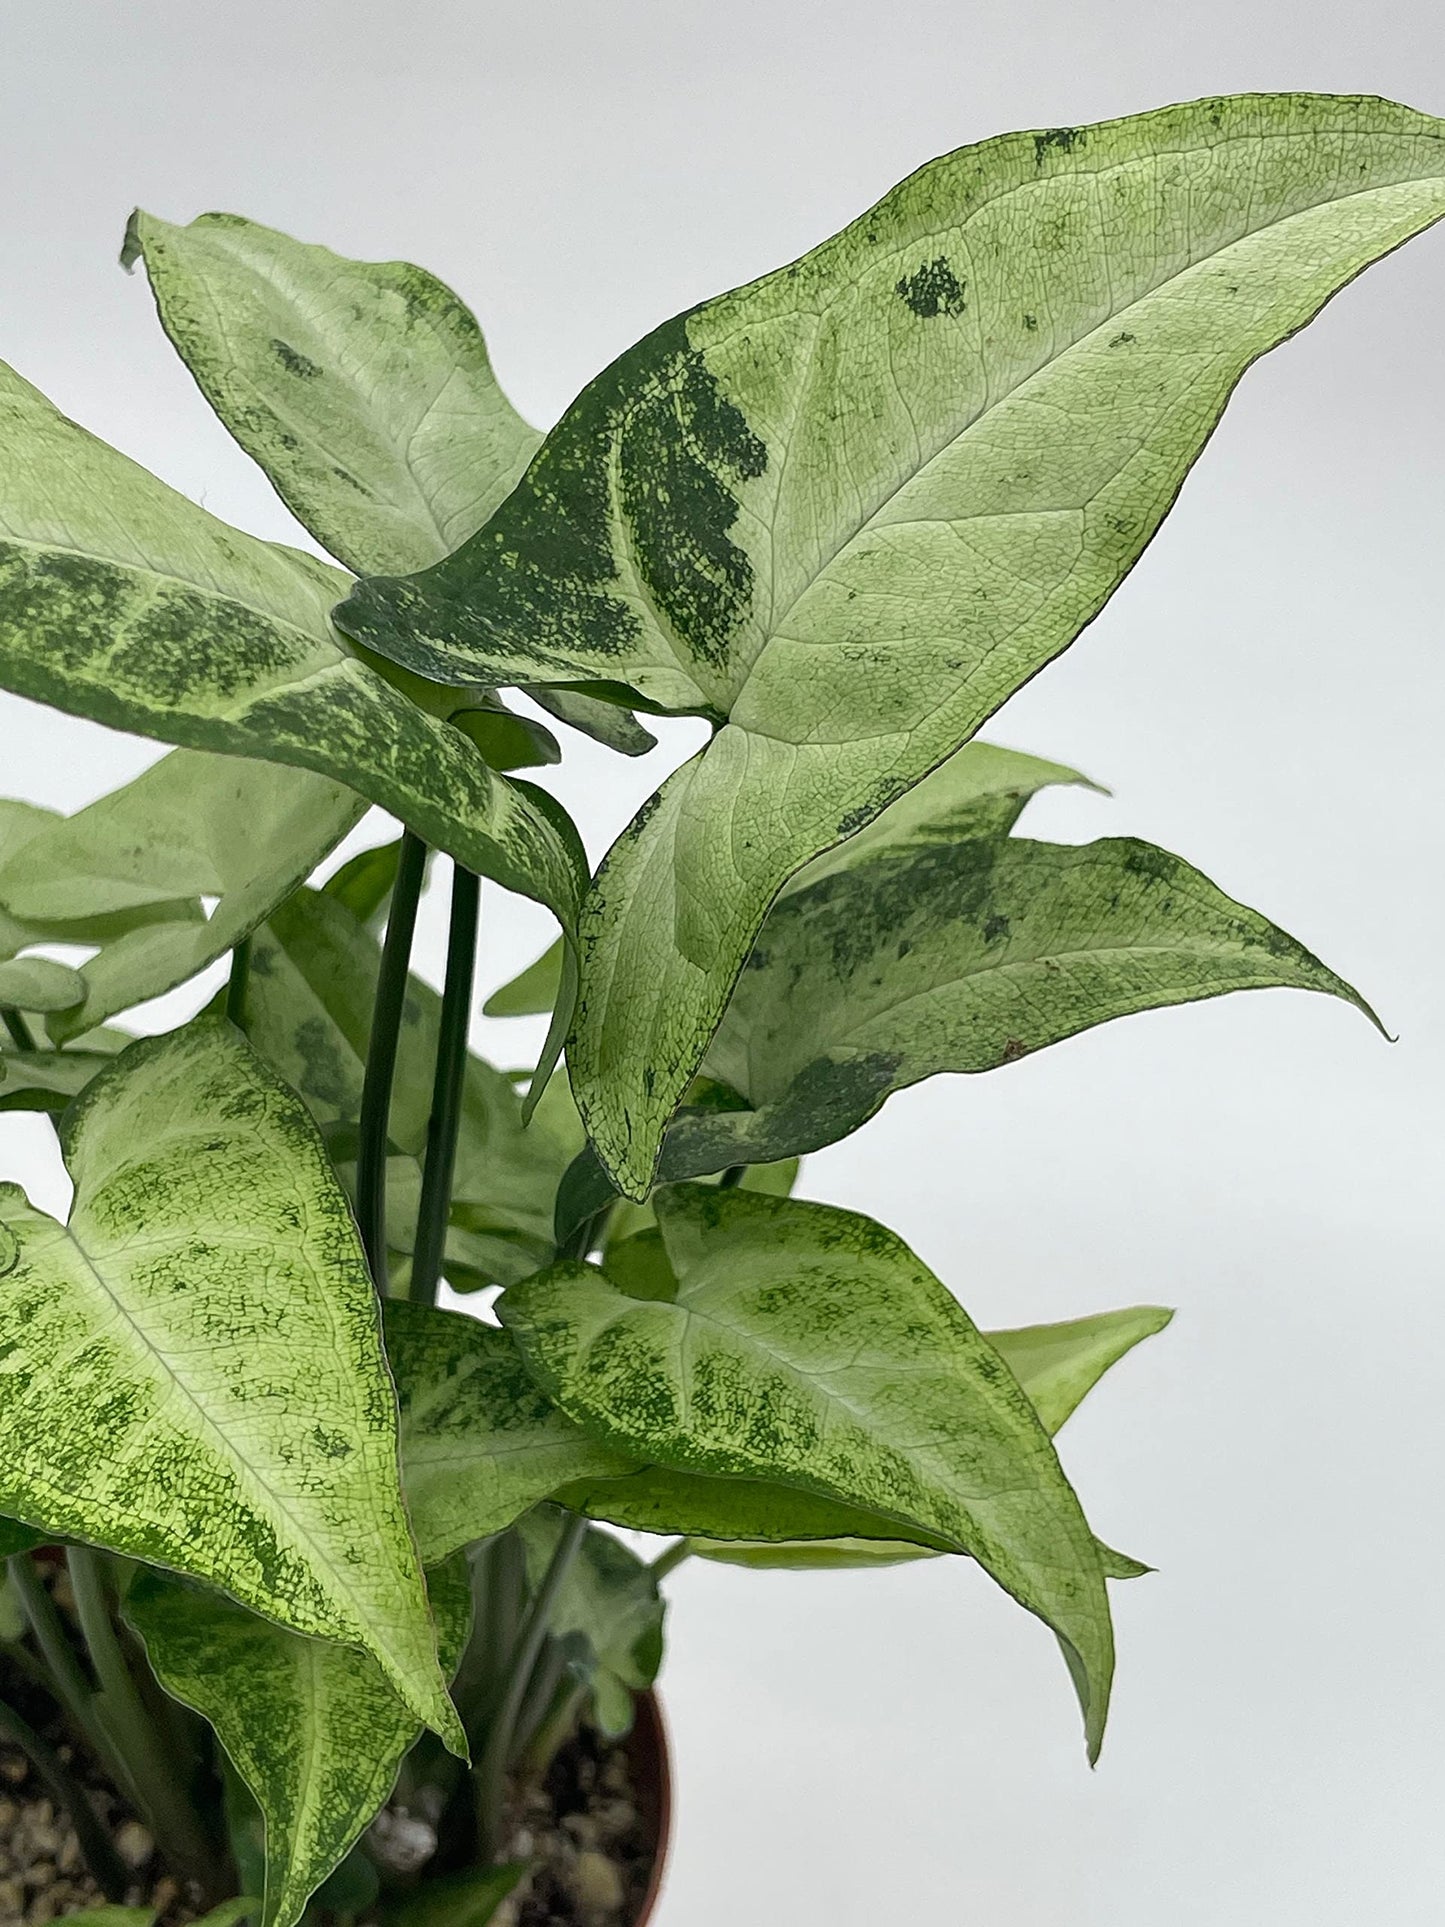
491 1772
381 1054
173 1819
446 1102
67 1675
21 1034
100 1856
236 986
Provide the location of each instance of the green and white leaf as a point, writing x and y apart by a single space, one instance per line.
194 1374
610 1597
746 1523
849 509
363 388
193 825
309 1005
808 1347
122 601
480 1444
313 1727
963 956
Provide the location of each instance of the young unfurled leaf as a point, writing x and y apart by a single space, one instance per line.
848 509
745 1522
808 1347
122 601
309 1007
610 1597
363 388
141 858
480 1444
313 1727
962 956
194 1374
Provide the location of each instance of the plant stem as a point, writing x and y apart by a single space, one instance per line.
491 1772
100 1856
381 1054
21 1034
67 1675
236 986
446 1103
669 1561
168 1807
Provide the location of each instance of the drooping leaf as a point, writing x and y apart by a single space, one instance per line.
194 1375
313 1727
363 388
610 1597
193 825
746 1522
480 1444
122 601
606 723
848 509
963 956
309 1005
808 1347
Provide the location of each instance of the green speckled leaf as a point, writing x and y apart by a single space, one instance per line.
808 1347
309 1004
194 1371
312 1727
480 1444
745 1522
850 508
193 825
122 601
363 388
962 956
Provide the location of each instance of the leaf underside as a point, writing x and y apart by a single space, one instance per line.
850 508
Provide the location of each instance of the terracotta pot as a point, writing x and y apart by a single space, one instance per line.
651 1764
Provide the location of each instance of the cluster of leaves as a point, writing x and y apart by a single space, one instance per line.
843 513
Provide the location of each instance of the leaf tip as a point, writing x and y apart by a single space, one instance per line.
132 246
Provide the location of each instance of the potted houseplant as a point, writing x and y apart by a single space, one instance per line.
311 1607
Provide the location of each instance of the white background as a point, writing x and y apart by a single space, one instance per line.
1265 697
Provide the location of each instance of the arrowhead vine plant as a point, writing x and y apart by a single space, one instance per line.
301 1565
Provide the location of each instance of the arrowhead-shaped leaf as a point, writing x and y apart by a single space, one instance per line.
745 1522
194 1370
122 601
313 1727
961 956
808 1347
848 509
480 1444
193 825
363 388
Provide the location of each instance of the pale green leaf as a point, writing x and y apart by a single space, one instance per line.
364 883
604 722
313 1727
195 1376
962 956
48 1080
849 509
808 1347
534 991
122 601
363 388
193 825
480 1444
746 1522
39 984
610 1597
